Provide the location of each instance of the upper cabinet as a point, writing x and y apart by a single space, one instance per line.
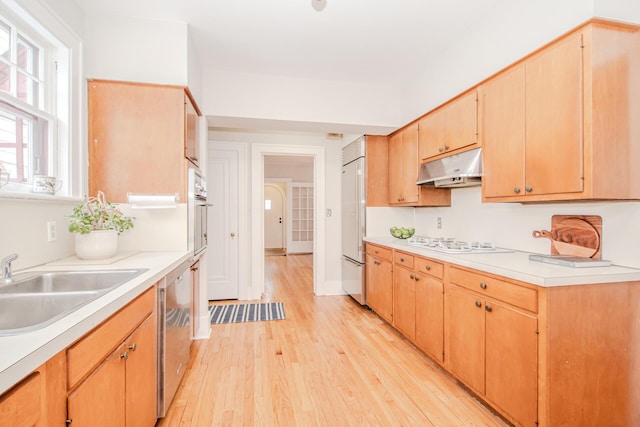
403 173
140 136
192 134
449 128
377 170
559 125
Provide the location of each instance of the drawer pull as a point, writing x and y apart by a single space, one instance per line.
488 308
483 285
478 304
401 259
427 267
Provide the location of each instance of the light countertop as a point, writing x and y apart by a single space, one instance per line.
22 353
516 265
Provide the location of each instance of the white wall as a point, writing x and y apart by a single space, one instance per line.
297 172
282 98
510 224
137 50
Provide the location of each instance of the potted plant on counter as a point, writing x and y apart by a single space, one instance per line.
97 224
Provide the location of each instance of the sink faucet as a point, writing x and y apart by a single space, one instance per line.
5 264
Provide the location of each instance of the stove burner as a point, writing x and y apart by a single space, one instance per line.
450 245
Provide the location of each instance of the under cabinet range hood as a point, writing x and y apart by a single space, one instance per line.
458 170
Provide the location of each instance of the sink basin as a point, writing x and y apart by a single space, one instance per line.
21 313
68 281
36 299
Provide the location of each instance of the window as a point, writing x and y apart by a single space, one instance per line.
33 90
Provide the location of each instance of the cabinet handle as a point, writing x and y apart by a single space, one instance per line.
427 267
417 278
440 149
528 189
412 277
516 190
124 355
401 259
478 304
483 285
488 308
446 147
133 346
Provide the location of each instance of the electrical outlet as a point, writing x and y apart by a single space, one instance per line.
51 231
439 222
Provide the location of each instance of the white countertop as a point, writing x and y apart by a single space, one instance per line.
516 265
21 354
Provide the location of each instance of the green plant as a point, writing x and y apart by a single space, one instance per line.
96 213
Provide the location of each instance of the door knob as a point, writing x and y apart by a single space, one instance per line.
233 234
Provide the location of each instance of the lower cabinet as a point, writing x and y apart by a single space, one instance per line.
404 295
39 399
379 279
492 346
430 307
112 373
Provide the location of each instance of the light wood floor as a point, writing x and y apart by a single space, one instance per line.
330 363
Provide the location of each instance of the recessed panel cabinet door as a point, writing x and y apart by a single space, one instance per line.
404 302
379 287
395 169
100 400
554 137
141 374
410 164
503 117
512 362
466 336
429 316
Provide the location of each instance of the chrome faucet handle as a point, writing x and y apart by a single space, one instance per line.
5 265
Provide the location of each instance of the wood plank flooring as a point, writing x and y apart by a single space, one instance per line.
330 363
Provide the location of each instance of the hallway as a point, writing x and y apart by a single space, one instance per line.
330 363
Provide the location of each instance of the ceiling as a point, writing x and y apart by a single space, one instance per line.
377 42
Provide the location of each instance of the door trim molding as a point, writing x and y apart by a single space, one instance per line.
258 151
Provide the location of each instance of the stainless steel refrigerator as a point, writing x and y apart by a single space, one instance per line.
353 219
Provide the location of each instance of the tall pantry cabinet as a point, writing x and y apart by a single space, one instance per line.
142 138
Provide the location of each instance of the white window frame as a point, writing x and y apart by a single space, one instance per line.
62 96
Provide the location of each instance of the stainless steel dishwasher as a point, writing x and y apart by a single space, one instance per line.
174 333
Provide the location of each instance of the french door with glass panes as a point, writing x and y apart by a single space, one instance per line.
300 214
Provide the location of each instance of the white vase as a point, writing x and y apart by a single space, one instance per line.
98 244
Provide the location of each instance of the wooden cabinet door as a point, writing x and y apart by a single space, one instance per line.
141 374
379 287
410 164
395 168
465 336
432 134
136 139
377 170
404 302
512 362
503 132
461 122
99 401
554 91
429 304
191 138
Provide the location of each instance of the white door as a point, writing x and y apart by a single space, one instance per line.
273 217
222 248
300 213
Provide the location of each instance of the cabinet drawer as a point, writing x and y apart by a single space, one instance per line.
94 347
403 259
520 296
429 266
379 252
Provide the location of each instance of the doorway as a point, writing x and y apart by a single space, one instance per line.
258 154
275 219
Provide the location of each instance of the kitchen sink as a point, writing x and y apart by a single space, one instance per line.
68 281
37 299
